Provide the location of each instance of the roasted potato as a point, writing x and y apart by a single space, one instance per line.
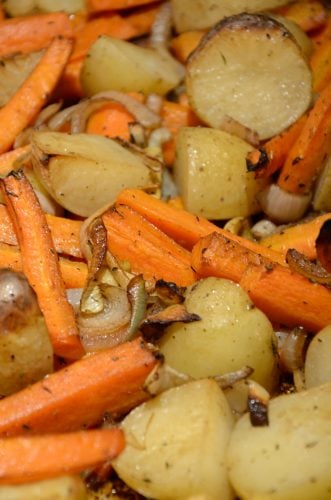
60 488
317 363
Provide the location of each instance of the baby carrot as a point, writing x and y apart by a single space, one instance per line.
184 227
284 296
40 263
26 103
80 395
34 458
149 251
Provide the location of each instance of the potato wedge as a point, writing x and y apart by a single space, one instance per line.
322 194
175 444
290 458
114 64
211 175
251 69
84 172
201 14
232 333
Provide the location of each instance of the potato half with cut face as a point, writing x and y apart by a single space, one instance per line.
250 68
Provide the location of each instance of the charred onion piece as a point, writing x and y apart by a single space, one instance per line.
229 379
300 264
92 301
169 292
164 377
258 402
137 297
292 348
171 314
323 245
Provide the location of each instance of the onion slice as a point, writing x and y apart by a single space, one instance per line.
258 402
314 271
282 206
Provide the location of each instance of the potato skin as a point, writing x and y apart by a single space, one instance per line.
231 334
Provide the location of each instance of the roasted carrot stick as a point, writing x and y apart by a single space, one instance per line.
31 33
9 160
40 263
270 157
320 65
309 15
112 120
306 157
132 238
183 44
69 85
101 5
26 103
82 394
65 232
184 227
302 237
74 273
284 296
34 458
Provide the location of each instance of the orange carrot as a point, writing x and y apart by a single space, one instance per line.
112 120
184 227
320 65
142 19
284 296
31 33
306 157
26 103
65 232
270 157
74 273
9 160
101 5
302 237
183 44
69 85
132 238
309 15
80 395
40 264
34 458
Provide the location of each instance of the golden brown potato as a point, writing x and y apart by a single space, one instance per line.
60 488
249 68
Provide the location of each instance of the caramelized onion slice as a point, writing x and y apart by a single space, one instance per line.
323 245
314 271
291 348
258 402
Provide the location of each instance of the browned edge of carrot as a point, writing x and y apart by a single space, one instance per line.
109 382
132 238
23 107
184 227
26 459
40 263
284 296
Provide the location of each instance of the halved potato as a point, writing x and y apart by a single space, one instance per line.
211 175
200 14
317 363
59 488
84 172
290 458
113 64
249 68
176 443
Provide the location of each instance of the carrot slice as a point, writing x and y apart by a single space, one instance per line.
270 157
112 120
35 458
132 238
31 33
302 237
82 394
185 43
40 264
9 159
284 296
74 273
184 227
26 103
306 157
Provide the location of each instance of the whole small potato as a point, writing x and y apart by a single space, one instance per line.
232 333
